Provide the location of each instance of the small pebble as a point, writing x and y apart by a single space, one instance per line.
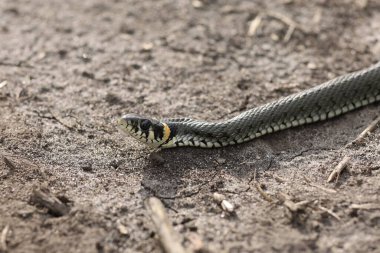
197 4
147 46
221 160
311 65
218 197
227 206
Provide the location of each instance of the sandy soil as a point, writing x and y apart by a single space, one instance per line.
69 68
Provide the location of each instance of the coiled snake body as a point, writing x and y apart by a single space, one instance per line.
328 100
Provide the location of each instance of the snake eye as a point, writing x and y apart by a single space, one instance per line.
145 124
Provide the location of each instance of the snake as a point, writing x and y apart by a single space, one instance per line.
325 101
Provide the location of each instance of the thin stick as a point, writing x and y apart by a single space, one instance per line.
368 206
319 186
323 188
289 33
278 178
338 169
290 204
295 207
329 212
165 231
52 203
3 239
262 193
369 129
10 164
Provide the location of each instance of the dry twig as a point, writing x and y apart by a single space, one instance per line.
369 129
292 25
279 179
10 164
254 25
329 212
3 239
52 203
319 186
295 207
165 231
262 192
367 206
338 169
290 204
323 188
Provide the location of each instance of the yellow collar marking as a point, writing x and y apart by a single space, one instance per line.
166 132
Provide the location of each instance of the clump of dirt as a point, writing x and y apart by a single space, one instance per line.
70 182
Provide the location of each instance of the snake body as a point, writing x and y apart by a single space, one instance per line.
325 101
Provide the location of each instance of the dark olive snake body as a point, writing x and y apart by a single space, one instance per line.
325 101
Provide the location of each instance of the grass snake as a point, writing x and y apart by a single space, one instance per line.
325 101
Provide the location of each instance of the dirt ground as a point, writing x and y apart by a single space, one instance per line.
69 69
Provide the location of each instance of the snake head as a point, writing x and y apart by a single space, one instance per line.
147 130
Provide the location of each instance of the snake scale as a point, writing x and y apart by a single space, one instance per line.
325 101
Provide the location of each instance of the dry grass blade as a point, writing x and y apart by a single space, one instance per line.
165 231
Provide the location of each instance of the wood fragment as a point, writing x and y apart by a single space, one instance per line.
338 169
290 204
295 207
286 20
289 33
369 129
262 193
292 25
323 188
165 231
254 25
10 164
3 239
279 179
367 206
329 212
52 203
319 186
3 84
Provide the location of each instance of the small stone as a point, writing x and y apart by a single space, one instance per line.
221 160
274 37
311 65
227 206
147 46
218 197
87 168
197 4
121 228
